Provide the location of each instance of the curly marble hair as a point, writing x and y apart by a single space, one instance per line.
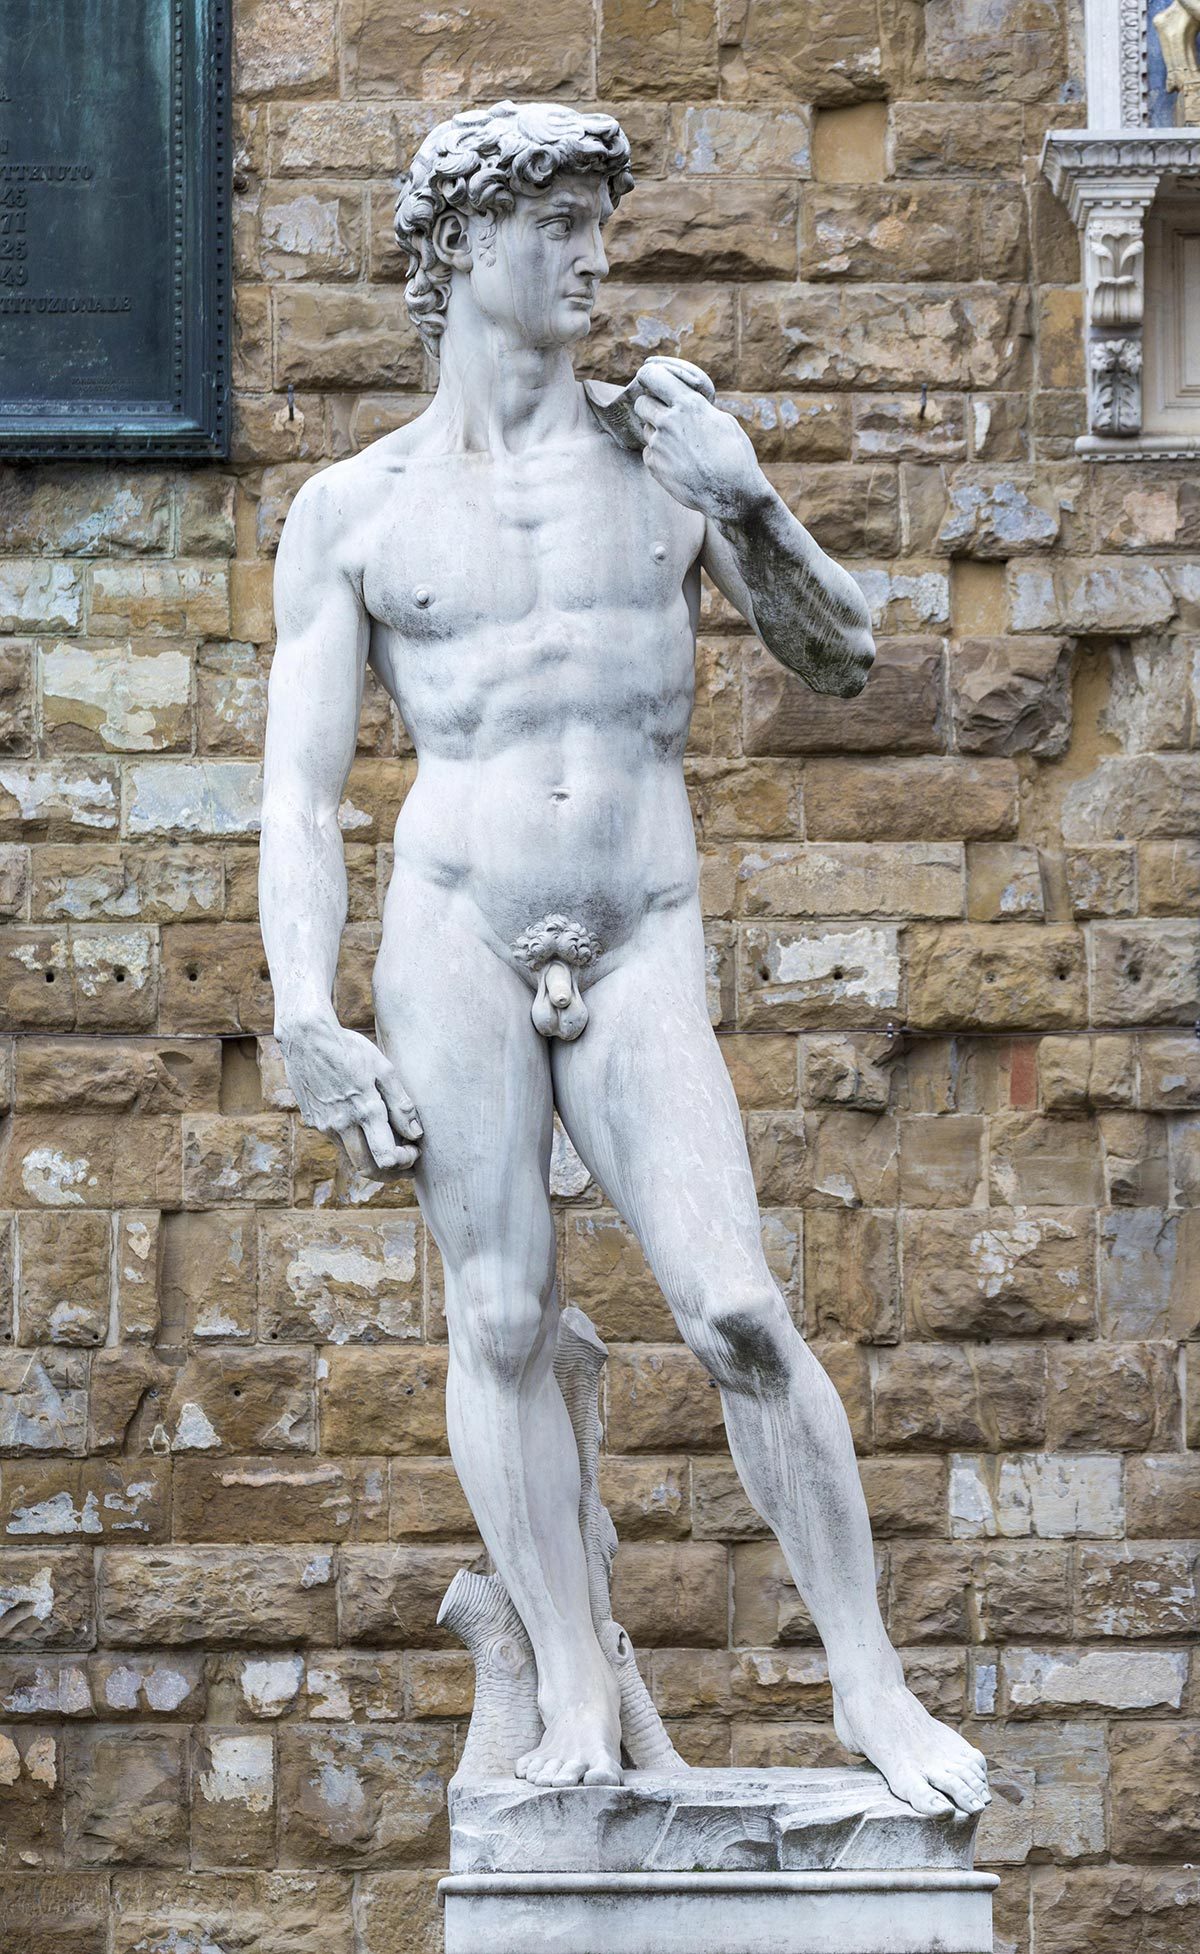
481 161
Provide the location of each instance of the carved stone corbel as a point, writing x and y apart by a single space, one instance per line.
1108 183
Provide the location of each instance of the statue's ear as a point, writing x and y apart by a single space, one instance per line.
451 240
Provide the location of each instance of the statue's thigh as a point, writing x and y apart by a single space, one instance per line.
647 1099
455 1022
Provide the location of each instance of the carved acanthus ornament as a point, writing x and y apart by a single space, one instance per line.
1108 183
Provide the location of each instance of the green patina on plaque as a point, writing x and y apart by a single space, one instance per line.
114 200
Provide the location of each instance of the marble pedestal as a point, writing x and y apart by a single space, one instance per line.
710 1862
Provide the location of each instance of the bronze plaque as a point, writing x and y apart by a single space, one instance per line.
114 227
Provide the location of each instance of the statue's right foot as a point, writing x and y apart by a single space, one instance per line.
581 1745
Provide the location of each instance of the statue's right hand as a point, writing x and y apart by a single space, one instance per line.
345 1087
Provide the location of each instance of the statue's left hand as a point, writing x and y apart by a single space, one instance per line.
698 453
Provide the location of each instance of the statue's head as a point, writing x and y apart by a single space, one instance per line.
512 198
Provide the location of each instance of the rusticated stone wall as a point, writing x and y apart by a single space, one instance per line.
954 966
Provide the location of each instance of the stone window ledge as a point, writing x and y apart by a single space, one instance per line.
1139 406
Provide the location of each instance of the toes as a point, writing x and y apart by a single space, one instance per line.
522 1766
602 1774
957 1786
921 1795
569 1772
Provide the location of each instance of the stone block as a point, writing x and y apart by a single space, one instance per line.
285 47
929 1395
44 1499
1012 695
879 335
43 1402
1156 1789
693 321
396 49
1042 1682
1047 1495
1168 878
1145 973
31 1798
990 976
215 979
941 1161
207 1284
1162 1496
1135 1593
282 1501
659 1399
1051 1779
1103 598
310 230
387 1400
910 427
335 336
605 1275
999 1272
233 1798
1076 1074
231 699
1148 1273
46 1598
266 1596
427 1501
40 596
918 231
398 1909
796 977
228 1400
1136 1163
389 1596
649 1499
672 1594
273 1913
127 1797
762 1067
962 138
718 140
154 884
183 798
59 800
1103 881
835 879
852 1275
64 1290
340 1279
910 800
1147 797
1004 881
1094 1906
957 1592
720 1508
705 230
1122 1396
1035 1161
849 1069
1169 1067
773 50
115 698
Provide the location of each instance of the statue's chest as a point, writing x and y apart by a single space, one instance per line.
473 544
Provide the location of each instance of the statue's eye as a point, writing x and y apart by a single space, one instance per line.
558 227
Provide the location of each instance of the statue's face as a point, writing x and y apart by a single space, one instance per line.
535 271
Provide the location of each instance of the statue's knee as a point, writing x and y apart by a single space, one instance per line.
499 1316
748 1340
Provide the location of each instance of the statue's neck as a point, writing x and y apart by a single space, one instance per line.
497 397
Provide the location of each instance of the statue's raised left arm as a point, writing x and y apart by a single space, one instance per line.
807 610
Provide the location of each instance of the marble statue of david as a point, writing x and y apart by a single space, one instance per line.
521 566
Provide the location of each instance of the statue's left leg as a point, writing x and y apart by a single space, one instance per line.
647 1100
